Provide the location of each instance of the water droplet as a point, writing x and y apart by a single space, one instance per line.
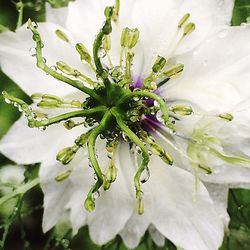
42 45
44 59
125 137
53 67
145 176
7 101
42 128
138 150
136 98
101 53
95 177
32 51
156 104
159 116
20 108
35 25
96 195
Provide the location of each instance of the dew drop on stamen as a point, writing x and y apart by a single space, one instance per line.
7 101
32 52
96 195
156 104
35 25
42 128
159 116
145 176
53 67
138 150
125 137
101 53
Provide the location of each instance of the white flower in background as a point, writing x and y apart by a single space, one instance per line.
184 52
11 176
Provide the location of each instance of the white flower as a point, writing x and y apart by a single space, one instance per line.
214 82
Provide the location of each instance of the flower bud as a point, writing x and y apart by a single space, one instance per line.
140 206
158 150
66 155
183 20
65 68
133 38
106 43
174 71
111 173
189 28
108 12
159 64
63 176
82 139
62 35
226 116
89 204
124 37
182 110
83 52
207 169
69 124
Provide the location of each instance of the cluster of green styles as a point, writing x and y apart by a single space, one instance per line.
114 108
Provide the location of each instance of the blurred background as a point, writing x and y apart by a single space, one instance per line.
20 218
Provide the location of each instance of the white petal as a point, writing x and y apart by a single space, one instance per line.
20 66
219 195
26 145
68 194
56 15
156 236
113 208
85 18
134 230
215 75
187 223
158 21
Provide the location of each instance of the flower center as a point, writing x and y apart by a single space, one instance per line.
117 108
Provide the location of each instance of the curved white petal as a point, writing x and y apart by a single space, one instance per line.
20 66
191 224
156 236
219 195
113 208
216 74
